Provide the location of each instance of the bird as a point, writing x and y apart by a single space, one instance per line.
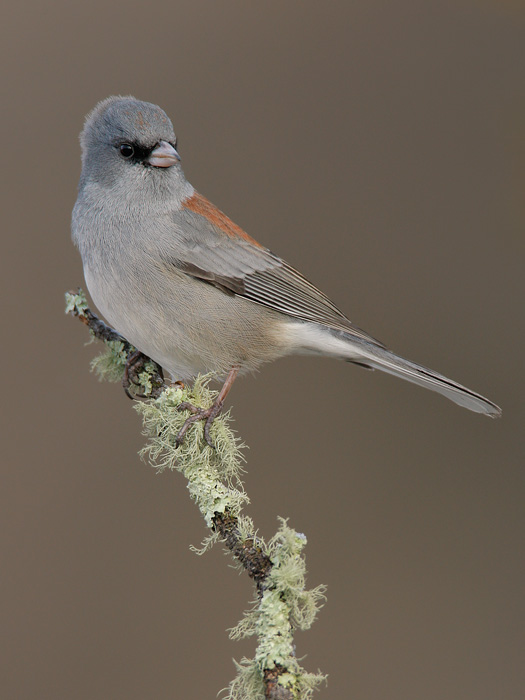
187 286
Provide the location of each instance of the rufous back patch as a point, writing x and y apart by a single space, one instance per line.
200 205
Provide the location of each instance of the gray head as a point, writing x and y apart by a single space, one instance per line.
126 139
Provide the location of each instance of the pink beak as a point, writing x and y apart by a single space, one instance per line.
163 155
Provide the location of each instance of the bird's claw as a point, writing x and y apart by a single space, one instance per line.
134 365
205 414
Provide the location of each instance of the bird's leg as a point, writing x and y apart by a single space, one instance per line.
206 414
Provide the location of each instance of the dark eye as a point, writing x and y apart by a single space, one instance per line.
126 150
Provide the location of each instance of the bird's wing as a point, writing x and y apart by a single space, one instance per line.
223 255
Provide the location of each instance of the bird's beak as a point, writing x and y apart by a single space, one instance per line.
163 155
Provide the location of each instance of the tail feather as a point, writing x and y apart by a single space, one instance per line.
387 361
314 338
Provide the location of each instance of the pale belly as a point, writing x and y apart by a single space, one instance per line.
188 326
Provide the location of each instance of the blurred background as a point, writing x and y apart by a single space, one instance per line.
379 147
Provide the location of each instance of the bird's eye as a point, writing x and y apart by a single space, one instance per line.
126 150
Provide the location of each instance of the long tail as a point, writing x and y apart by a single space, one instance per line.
314 338
383 359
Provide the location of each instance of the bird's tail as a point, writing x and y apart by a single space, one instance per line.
363 350
381 358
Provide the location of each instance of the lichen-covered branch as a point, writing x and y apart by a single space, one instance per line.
147 379
214 481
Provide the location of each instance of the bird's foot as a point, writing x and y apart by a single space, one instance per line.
205 414
135 364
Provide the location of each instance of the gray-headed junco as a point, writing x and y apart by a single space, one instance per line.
186 285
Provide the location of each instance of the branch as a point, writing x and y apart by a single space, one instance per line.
277 567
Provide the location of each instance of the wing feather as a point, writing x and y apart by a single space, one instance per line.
234 264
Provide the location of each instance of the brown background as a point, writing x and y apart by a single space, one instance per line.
377 146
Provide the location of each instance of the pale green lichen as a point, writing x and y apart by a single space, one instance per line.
248 684
76 303
213 473
285 605
214 483
109 365
274 631
206 544
288 576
